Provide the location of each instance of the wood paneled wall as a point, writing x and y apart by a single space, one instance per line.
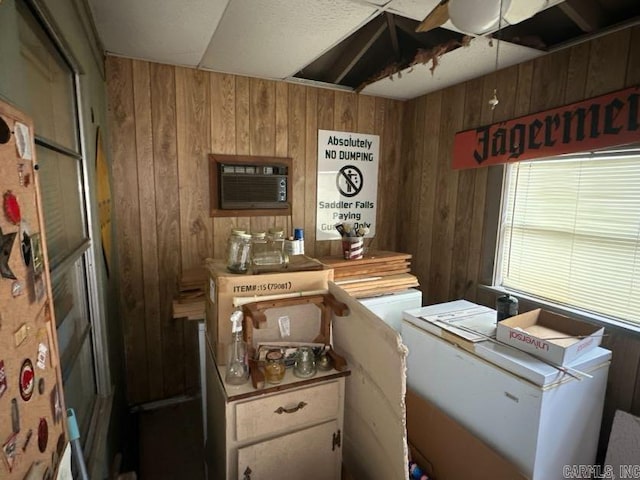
164 121
454 208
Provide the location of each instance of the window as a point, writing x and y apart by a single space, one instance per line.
570 232
49 96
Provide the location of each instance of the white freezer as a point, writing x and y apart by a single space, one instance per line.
390 307
534 415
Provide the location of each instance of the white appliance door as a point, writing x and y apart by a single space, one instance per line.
390 307
498 407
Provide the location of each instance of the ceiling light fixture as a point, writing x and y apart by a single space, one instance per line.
483 16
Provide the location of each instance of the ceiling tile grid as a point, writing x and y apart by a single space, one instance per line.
271 39
161 31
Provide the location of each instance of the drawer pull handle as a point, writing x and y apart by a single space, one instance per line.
281 410
247 474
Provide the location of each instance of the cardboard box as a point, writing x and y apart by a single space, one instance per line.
223 286
445 450
549 336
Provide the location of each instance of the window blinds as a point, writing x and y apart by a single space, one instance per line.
570 232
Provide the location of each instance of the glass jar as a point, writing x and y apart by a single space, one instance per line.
267 255
274 367
258 244
238 252
305 365
276 236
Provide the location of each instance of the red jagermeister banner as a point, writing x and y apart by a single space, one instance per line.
599 122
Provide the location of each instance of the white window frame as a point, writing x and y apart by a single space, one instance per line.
532 300
102 371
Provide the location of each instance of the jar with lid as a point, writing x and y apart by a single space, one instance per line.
259 245
274 367
305 365
238 252
276 236
268 256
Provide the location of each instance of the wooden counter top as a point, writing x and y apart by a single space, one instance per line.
289 381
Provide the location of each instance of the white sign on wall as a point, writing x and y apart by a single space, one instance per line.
347 182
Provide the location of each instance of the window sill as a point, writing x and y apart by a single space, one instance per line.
601 320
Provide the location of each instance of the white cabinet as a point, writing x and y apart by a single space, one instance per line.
288 431
355 419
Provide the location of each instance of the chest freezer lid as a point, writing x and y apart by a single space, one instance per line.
444 317
506 357
536 371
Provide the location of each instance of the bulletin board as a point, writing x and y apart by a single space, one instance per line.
33 432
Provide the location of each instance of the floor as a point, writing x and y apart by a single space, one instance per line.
171 445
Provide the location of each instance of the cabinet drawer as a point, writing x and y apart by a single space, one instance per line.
286 410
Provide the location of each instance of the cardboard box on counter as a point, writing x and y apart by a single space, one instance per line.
223 286
444 449
549 336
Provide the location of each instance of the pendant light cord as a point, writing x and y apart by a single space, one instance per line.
493 102
498 36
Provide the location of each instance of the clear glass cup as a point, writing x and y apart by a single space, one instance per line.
305 365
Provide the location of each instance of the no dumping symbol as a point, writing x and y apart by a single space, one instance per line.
349 181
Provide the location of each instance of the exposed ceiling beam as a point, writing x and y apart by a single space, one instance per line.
427 40
587 14
436 17
393 34
356 49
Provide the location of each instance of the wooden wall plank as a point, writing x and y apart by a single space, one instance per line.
163 115
366 122
389 172
325 122
243 142
311 171
149 245
549 79
487 190
223 140
608 63
460 283
446 196
196 226
282 119
380 123
345 120
282 142
577 72
223 113
411 174
427 193
262 128
633 64
262 117
192 111
297 151
127 218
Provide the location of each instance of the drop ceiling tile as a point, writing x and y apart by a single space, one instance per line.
275 39
157 30
415 9
454 67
